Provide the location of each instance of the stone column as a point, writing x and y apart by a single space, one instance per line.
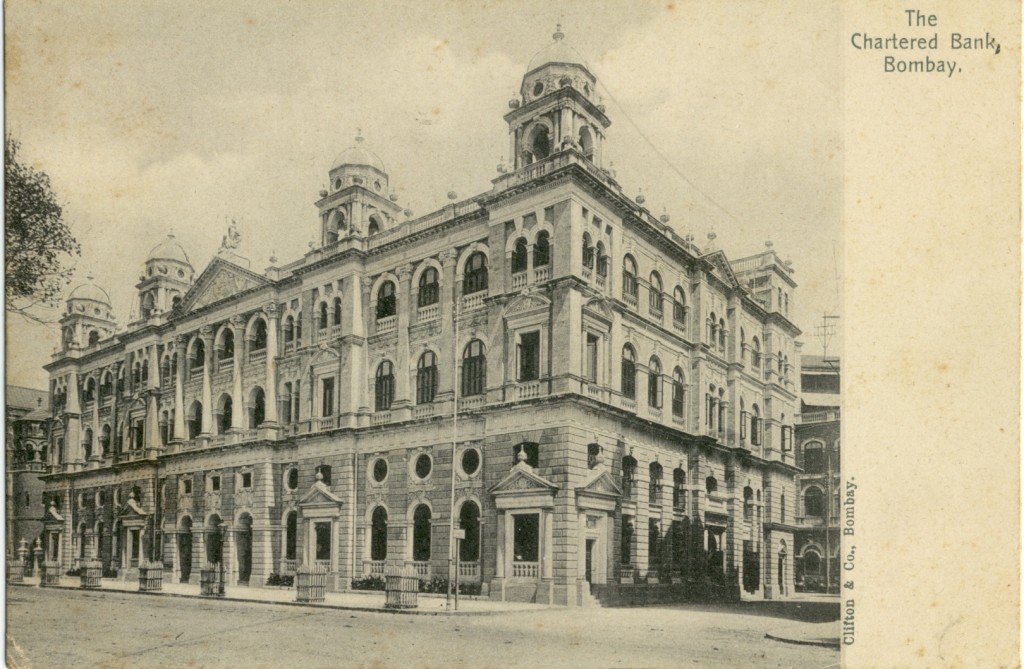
547 543
237 401
402 364
152 415
499 565
207 418
179 390
449 363
270 412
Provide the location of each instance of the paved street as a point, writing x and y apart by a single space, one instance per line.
57 628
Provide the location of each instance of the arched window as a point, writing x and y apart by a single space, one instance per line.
226 350
711 484
257 408
426 378
429 289
814 503
374 226
323 316
87 443
224 409
679 308
474 368
379 534
469 521
542 249
586 142
593 450
475 277
629 283
195 420
628 372
679 489
289 330
588 252
721 334
743 346
540 145
105 440
755 353
94 337
755 425
421 533
291 535
337 311
654 489
812 563
198 356
712 329
298 329
678 393
258 339
519 256
654 383
654 295
384 386
386 304
602 260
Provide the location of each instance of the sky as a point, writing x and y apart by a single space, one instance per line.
161 116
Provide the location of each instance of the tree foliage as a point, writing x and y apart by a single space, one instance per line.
39 245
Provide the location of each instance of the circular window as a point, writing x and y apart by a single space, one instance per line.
377 186
181 274
423 466
538 88
470 461
380 470
97 311
337 184
292 480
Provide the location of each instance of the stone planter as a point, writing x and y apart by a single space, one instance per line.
310 583
50 574
210 584
151 577
91 571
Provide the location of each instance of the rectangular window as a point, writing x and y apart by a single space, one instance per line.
529 356
215 484
247 480
138 433
592 342
755 431
526 537
328 397
743 425
323 541
187 487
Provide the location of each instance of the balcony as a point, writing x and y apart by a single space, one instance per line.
428 313
630 299
469 570
819 417
518 280
289 347
387 324
288 567
322 335
541 273
335 331
381 418
588 274
259 356
325 423
473 301
421 567
472 402
602 279
423 410
525 569
373 567
528 390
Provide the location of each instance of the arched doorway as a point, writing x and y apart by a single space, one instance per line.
214 540
379 534
243 537
185 549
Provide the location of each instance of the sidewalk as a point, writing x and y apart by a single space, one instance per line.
373 601
807 634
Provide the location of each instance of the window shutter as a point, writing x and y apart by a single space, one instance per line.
743 425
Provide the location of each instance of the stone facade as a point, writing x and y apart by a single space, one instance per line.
27 441
592 378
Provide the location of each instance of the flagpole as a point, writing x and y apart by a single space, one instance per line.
455 437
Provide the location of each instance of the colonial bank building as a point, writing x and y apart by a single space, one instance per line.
591 397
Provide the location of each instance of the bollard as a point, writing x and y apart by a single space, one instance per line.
310 583
90 574
401 588
151 576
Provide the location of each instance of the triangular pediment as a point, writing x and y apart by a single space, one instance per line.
598 307
319 495
131 509
722 269
522 479
220 280
527 302
601 484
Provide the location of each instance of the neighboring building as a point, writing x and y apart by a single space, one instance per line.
28 412
611 380
817 454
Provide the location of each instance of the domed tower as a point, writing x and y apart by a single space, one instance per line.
358 200
88 318
557 107
168 276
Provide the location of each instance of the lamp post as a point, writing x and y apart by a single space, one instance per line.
222 529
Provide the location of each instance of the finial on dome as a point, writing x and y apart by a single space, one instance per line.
90 277
452 195
521 455
768 244
559 35
640 199
359 136
319 476
665 218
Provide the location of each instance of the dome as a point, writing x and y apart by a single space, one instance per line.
169 249
357 154
557 52
90 291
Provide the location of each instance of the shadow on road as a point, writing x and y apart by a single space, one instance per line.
808 612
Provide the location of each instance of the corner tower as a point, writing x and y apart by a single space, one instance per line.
359 199
88 318
557 107
168 276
